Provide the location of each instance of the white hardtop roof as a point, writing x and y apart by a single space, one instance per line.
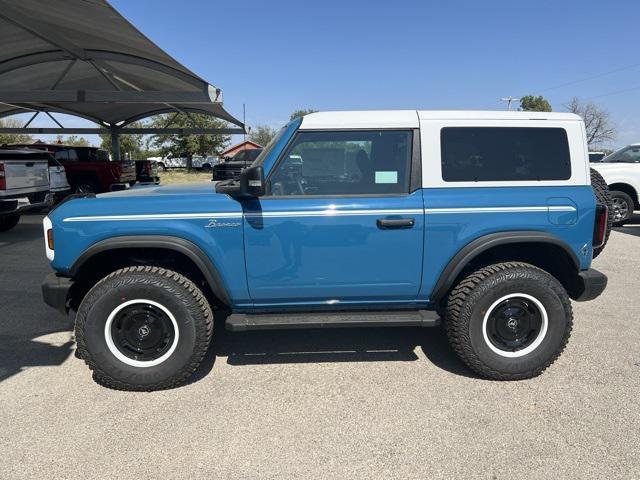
410 118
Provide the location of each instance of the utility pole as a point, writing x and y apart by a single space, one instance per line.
509 99
244 122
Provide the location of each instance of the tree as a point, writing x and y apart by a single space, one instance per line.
531 103
262 134
74 140
130 144
189 145
13 137
301 113
597 122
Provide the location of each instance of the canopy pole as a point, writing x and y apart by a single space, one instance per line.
115 144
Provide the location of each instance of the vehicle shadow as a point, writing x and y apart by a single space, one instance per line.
390 344
632 227
24 350
25 231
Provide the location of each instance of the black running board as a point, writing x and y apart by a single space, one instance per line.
266 321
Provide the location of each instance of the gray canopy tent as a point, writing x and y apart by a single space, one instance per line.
81 57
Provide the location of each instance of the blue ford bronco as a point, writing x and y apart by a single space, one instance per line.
487 221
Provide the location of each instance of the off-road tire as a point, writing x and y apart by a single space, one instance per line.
174 291
471 298
603 196
615 194
7 222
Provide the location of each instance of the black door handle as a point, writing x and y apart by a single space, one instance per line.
395 222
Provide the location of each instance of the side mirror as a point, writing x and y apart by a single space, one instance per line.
252 181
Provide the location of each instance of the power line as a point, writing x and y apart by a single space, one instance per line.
586 79
637 87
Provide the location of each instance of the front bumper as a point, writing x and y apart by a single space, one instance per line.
55 291
593 284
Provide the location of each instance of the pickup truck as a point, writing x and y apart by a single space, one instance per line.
89 169
621 171
231 167
24 184
487 221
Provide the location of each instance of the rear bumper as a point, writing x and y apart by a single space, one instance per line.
593 284
55 291
24 204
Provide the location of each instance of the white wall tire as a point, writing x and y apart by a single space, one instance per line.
481 294
118 306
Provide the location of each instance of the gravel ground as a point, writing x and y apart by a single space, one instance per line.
383 403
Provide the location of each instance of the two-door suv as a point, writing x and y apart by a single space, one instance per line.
487 220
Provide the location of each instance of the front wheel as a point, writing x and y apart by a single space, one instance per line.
622 205
7 222
143 328
509 321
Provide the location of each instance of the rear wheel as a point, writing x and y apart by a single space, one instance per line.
603 196
86 186
509 321
143 328
622 207
7 222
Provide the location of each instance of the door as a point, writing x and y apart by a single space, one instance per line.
339 224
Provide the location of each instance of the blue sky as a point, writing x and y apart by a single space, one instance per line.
278 56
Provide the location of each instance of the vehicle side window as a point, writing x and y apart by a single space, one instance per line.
62 155
73 155
345 163
628 155
477 154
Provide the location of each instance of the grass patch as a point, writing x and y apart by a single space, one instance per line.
182 176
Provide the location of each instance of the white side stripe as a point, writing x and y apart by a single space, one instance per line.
155 216
554 208
320 213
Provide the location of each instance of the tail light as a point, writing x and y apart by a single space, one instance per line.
600 227
3 180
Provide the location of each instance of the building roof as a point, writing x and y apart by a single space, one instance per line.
411 118
240 146
83 58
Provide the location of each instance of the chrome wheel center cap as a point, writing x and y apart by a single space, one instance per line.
144 330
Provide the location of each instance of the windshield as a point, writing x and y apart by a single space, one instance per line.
264 153
629 154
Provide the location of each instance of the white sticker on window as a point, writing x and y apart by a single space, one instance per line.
386 177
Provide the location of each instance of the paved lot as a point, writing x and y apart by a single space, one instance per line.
384 403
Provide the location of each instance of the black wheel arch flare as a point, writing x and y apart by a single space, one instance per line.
177 244
476 247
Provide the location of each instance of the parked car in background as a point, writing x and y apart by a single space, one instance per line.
596 156
24 184
489 220
231 168
621 171
197 162
89 169
147 171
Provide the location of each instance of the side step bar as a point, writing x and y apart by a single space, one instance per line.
264 321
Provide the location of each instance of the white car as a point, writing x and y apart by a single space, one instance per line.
197 162
621 171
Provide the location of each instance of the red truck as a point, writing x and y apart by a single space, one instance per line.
89 168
